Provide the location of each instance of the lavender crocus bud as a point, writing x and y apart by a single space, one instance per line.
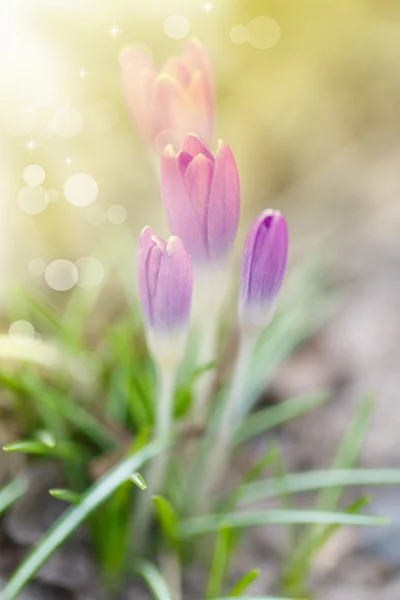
165 292
200 195
263 269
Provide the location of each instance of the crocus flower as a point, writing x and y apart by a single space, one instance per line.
200 195
165 292
177 100
263 269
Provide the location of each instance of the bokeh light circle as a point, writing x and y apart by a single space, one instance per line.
117 214
103 116
34 175
61 275
264 32
239 34
81 189
37 266
66 122
91 272
33 200
177 27
22 332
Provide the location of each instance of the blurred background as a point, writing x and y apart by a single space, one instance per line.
308 96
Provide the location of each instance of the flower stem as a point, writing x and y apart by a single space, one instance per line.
231 414
155 476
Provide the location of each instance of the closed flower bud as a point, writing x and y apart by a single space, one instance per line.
169 104
165 292
263 269
200 195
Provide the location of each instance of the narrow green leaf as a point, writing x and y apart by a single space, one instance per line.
231 500
60 450
138 480
314 480
11 493
244 582
27 447
264 420
298 565
154 580
167 519
219 563
75 516
66 495
212 523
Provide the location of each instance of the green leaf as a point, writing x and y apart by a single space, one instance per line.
154 580
60 450
167 519
219 563
314 480
298 565
264 420
138 480
66 495
11 493
76 515
212 523
244 582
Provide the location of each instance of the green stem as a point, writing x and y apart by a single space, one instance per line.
231 414
155 476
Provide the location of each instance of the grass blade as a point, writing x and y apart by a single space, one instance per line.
11 493
66 495
212 523
154 580
168 520
219 563
76 515
244 582
299 564
314 480
264 420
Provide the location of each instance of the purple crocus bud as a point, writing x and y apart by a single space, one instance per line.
263 269
165 293
200 195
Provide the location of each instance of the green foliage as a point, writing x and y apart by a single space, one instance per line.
76 515
90 401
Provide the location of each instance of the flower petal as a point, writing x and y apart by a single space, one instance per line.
182 217
171 106
223 212
198 179
194 145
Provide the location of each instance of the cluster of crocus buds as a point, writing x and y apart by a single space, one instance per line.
200 195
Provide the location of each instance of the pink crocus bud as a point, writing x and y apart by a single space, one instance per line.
200 195
165 293
263 269
167 105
